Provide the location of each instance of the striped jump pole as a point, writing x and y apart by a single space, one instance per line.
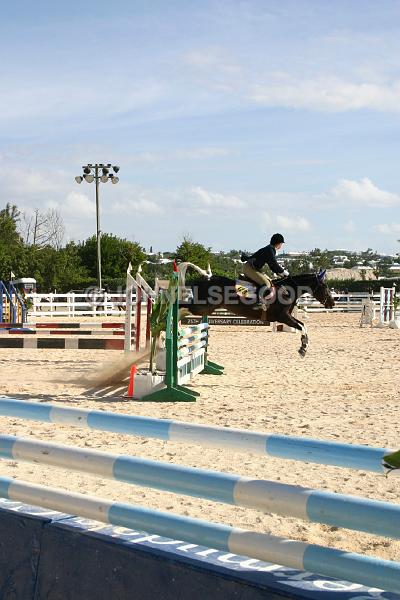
55 325
372 572
77 332
138 316
387 296
336 510
61 325
186 355
58 343
149 309
143 290
350 456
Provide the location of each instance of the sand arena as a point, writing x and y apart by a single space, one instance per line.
346 389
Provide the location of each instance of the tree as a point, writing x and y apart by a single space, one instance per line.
12 251
62 270
321 258
116 254
44 229
234 253
193 252
223 265
299 265
9 219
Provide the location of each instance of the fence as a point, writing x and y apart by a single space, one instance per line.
77 304
12 308
361 514
347 303
109 304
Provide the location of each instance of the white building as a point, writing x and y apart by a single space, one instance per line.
395 268
340 259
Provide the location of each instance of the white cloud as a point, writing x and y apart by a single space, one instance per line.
363 192
78 206
388 228
266 218
29 182
325 94
285 222
349 226
49 98
214 59
141 204
214 199
183 154
298 223
332 86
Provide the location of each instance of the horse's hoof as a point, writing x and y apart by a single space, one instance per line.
302 352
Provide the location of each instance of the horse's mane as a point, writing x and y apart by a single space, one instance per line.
301 279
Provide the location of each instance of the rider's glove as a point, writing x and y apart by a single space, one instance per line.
285 273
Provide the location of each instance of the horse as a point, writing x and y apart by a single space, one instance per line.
204 295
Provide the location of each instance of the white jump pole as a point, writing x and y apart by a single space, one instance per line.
130 282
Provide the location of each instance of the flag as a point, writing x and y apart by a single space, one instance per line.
175 266
12 275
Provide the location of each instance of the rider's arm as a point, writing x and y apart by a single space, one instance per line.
272 262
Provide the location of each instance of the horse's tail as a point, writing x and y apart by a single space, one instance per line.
183 267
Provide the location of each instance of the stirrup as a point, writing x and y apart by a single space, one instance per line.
266 299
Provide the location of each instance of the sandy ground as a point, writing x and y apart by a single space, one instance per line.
346 389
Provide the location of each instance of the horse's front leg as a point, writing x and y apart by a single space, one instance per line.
304 340
304 336
288 319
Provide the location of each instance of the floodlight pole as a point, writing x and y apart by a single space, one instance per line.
91 172
98 232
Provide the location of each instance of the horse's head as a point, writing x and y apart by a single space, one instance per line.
321 291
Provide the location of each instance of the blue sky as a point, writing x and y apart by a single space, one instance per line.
230 120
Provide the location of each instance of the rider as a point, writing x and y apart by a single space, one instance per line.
265 256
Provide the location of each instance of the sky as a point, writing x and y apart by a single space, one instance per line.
230 120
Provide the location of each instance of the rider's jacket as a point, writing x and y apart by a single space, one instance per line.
266 256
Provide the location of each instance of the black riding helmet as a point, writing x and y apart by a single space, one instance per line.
277 238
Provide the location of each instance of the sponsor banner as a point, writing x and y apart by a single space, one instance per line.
227 321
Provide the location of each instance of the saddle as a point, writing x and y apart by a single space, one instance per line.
247 288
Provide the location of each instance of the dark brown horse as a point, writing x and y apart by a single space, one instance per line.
209 293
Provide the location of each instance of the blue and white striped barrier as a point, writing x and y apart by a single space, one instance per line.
193 330
350 456
387 305
185 354
377 573
191 351
188 350
351 512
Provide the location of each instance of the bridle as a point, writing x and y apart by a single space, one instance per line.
324 289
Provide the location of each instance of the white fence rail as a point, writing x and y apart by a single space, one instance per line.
348 303
76 305
111 304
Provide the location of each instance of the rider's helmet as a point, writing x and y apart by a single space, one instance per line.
277 238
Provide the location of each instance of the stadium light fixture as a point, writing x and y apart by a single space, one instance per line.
98 172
